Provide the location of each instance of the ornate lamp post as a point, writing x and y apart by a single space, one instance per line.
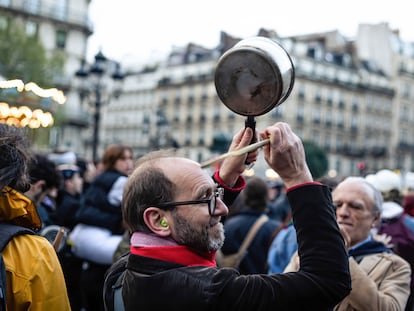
94 85
162 138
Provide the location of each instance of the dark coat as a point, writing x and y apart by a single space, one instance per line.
322 282
236 229
67 206
95 208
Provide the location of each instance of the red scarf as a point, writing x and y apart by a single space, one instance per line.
178 254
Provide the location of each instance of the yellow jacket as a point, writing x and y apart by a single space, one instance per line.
34 278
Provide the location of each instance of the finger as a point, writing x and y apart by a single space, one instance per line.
238 137
252 156
247 137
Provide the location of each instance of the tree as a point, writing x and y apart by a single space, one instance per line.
316 159
24 57
221 143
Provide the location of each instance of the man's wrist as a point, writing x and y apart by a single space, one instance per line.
238 185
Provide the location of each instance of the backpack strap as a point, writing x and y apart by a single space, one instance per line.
118 300
252 233
7 232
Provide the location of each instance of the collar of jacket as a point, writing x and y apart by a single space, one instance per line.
18 209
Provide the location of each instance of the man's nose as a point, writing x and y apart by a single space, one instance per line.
221 208
342 210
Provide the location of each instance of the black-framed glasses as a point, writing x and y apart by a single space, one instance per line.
211 201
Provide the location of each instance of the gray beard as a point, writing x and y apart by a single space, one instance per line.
204 239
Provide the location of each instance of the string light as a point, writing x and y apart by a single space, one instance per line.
24 116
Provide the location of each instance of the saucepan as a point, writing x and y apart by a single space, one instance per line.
253 77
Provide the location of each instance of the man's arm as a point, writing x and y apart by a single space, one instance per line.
321 249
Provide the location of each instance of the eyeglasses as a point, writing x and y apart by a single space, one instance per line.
211 201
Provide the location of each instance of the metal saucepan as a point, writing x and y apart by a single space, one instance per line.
254 76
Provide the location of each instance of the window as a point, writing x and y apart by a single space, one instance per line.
316 115
61 36
32 6
330 98
301 92
318 96
406 91
61 8
328 118
340 120
31 28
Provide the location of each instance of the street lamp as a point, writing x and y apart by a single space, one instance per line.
162 137
94 84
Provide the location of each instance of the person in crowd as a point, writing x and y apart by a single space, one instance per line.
99 230
34 276
278 204
173 208
380 278
45 181
255 199
68 199
282 248
68 202
284 243
88 171
394 222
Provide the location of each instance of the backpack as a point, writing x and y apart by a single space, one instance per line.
112 291
7 232
234 260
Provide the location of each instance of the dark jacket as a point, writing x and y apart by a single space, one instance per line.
322 282
96 210
236 229
67 206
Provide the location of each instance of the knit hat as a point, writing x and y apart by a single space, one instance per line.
68 170
391 210
387 180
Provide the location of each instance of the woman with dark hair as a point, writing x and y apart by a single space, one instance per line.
99 229
101 203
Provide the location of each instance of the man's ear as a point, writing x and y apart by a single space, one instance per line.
377 219
157 221
39 185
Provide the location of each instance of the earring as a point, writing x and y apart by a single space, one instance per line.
163 223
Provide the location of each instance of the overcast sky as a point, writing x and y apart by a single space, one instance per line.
144 30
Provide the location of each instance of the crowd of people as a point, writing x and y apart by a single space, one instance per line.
147 235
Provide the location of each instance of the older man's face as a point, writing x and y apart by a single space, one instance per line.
193 225
355 209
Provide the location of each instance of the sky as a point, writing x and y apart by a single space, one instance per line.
143 31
